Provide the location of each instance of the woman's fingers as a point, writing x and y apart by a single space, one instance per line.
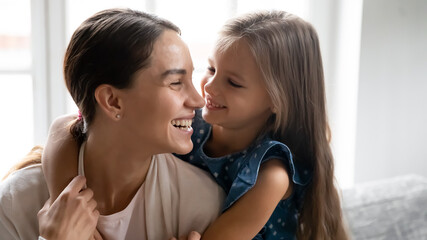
91 205
75 186
194 236
86 194
191 236
72 215
97 235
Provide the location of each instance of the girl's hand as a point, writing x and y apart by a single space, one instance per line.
192 236
72 215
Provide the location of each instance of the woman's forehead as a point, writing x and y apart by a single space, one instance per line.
170 52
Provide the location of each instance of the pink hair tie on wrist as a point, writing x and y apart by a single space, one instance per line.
80 115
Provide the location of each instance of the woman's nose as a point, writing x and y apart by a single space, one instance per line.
194 99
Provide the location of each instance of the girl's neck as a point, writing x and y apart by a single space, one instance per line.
225 141
114 171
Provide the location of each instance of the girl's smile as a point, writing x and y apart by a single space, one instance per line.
212 105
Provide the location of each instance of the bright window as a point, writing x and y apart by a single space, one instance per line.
16 138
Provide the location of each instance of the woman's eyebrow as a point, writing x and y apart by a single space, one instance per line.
174 71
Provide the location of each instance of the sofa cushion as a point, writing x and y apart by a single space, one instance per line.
394 208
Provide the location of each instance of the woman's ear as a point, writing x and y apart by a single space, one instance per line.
109 101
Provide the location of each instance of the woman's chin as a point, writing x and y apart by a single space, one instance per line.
184 149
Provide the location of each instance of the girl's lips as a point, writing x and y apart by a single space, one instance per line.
213 105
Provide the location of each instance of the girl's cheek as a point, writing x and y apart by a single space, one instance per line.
202 85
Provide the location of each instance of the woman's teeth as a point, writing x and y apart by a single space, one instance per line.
182 124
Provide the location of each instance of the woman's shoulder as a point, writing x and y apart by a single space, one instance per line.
22 180
182 188
22 194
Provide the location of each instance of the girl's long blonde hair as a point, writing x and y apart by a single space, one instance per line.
33 157
286 49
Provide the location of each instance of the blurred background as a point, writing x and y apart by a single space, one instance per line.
375 61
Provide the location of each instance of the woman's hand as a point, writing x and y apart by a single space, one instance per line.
72 215
192 236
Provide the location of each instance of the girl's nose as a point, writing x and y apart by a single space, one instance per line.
211 88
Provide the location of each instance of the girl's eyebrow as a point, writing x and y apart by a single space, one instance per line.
235 75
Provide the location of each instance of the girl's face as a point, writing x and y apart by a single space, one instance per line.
234 90
159 107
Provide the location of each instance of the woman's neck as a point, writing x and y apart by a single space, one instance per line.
114 171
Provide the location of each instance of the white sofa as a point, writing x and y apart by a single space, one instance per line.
389 209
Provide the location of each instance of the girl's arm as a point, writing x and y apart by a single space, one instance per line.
251 212
71 208
60 156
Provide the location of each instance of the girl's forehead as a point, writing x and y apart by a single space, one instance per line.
237 60
237 53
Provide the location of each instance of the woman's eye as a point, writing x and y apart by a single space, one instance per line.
233 84
176 83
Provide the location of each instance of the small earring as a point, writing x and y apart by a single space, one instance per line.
274 110
118 116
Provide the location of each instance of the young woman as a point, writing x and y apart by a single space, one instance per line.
130 74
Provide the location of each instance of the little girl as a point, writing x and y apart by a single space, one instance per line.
264 135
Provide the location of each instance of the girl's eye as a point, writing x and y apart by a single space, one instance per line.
234 84
211 69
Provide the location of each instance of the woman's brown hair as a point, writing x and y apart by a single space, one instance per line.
108 48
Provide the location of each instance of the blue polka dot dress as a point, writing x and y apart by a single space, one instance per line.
237 173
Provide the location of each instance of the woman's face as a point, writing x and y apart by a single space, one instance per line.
159 107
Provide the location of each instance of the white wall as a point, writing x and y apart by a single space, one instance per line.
338 23
391 137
